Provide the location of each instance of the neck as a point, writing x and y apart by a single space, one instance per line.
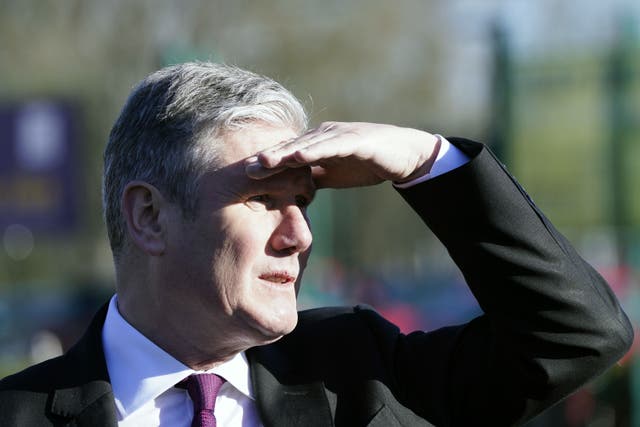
194 350
148 302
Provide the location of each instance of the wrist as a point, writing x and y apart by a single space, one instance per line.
424 165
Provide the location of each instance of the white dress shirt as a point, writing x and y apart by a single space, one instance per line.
143 375
449 157
143 378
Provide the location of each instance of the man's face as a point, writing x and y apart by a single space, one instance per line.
238 265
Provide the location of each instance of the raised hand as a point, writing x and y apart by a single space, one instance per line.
351 154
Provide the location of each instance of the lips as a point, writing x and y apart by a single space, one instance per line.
278 277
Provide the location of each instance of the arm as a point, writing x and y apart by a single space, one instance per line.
551 323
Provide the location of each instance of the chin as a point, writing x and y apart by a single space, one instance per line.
277 326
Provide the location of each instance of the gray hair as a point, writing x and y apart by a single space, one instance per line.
166 131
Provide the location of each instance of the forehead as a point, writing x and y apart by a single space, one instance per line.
242 143
236 146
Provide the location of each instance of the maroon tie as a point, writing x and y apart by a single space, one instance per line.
203 389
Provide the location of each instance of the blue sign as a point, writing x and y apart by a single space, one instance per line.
38 166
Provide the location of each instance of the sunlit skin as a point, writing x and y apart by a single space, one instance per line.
208 288
236 267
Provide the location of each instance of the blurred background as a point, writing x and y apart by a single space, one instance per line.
552 86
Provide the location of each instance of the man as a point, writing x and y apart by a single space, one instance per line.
208 176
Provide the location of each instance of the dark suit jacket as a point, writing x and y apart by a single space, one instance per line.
551 324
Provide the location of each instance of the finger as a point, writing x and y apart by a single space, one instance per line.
319 176
335 147
284 153
275 147
255 170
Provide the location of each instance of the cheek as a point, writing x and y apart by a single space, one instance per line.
242 241
238 254
250 234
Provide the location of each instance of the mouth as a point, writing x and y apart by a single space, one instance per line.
278 277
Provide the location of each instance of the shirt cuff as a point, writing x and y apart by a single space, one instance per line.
449 158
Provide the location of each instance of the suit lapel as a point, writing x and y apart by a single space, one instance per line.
86 396
88 405
283 403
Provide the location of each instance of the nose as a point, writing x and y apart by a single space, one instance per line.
293 234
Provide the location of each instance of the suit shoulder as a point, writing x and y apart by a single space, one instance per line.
40 377
336 321
26 395
332 313
323 313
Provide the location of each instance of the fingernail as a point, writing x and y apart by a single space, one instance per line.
252 168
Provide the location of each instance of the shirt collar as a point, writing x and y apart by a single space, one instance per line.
141 371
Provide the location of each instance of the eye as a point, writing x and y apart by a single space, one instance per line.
261 199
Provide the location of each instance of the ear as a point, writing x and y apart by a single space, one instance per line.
144 209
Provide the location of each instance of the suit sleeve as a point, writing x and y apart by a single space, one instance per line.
550 323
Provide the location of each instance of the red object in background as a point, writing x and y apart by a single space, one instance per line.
618 277
579 408
404 316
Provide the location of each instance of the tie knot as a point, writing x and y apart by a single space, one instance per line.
203 389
